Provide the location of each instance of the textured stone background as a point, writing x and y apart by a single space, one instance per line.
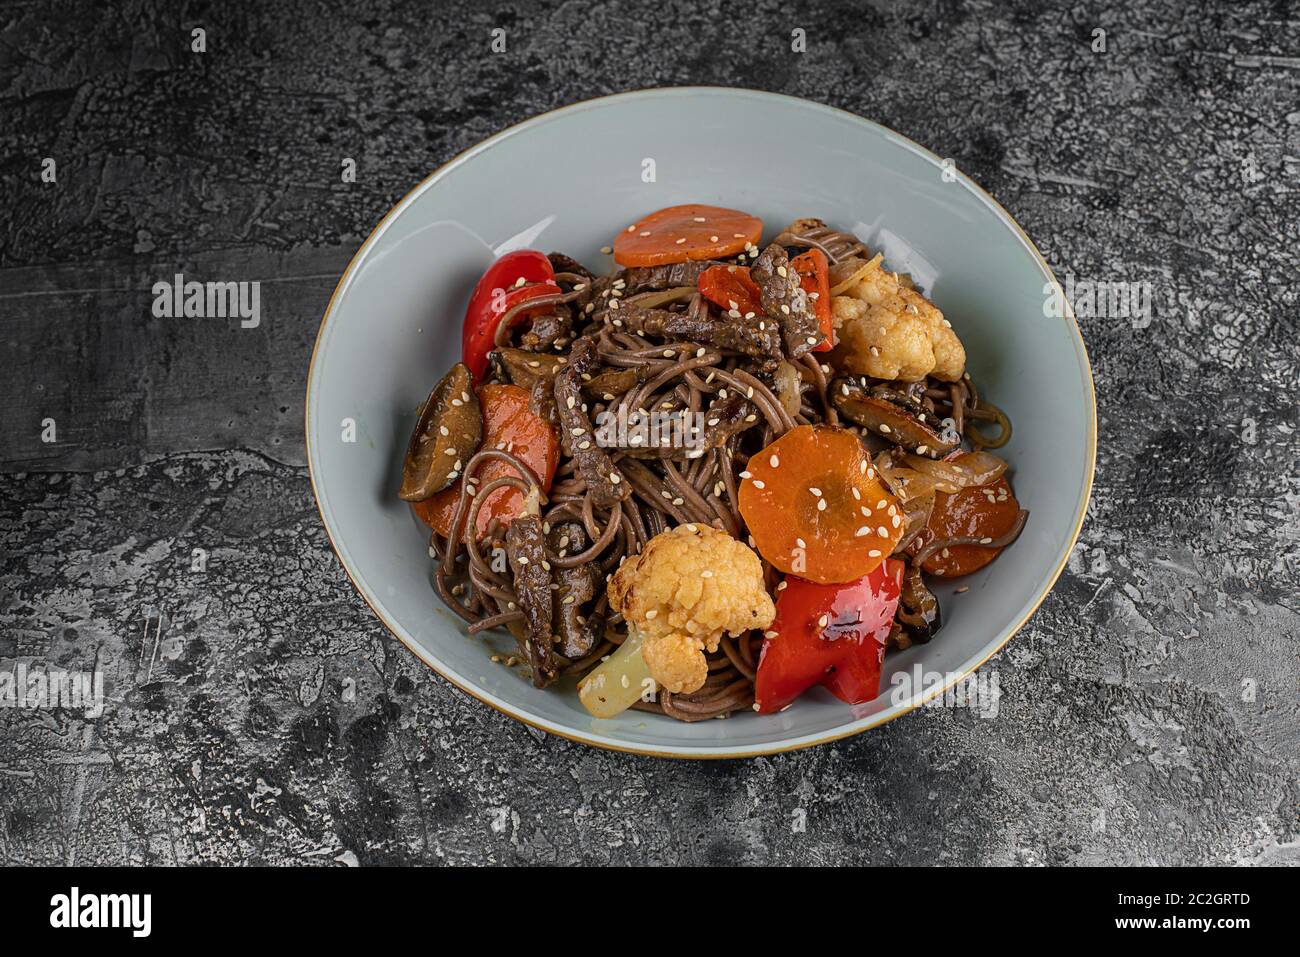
259 713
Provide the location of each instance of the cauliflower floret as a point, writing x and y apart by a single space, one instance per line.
688 586
890 331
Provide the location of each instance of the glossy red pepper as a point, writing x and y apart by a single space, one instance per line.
832 635
815 278
731 288
499 291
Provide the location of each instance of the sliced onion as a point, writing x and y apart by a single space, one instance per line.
652 300
910 485
847 273
975 468
788 384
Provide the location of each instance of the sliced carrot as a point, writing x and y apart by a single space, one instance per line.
816 507
982 511
508 424
731 288
679 233
814 277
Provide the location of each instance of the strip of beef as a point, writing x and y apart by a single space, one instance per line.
785 300
562 264
654 278
526 551
728 417
594 464
549 332
578 630
755 338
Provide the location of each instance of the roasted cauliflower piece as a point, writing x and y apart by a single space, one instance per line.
889 331
688 586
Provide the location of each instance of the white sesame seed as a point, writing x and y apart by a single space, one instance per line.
758 484
862 532
774 461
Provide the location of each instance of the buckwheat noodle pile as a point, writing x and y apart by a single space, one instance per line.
670 486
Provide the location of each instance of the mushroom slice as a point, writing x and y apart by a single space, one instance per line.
523 368
448 434
918 608
615 382
895 422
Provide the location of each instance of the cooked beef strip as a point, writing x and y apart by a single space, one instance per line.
654 278
728 417
576 434
526 551
578 630
785 301
549 332
562 263
756 337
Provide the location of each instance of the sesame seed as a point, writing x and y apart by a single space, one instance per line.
874 553
801 543
606 249
884 428
774 461
921 450
650 615
823 621
645 232
713 239
856 494
746 475
758 484
682 240
782 271
882 532
861 532
986 541
785 309
615 477
815 490
707 573
821 505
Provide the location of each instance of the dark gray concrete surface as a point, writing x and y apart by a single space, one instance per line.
258 712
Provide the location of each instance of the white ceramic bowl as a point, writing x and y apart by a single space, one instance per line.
568 181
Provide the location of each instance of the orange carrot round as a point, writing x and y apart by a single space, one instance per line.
679 233
817 508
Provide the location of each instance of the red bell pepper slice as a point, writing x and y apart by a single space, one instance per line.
831 635
731 288
512 279
815 278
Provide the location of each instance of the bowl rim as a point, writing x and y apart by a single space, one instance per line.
704 752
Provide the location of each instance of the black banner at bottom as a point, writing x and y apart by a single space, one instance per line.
337 905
